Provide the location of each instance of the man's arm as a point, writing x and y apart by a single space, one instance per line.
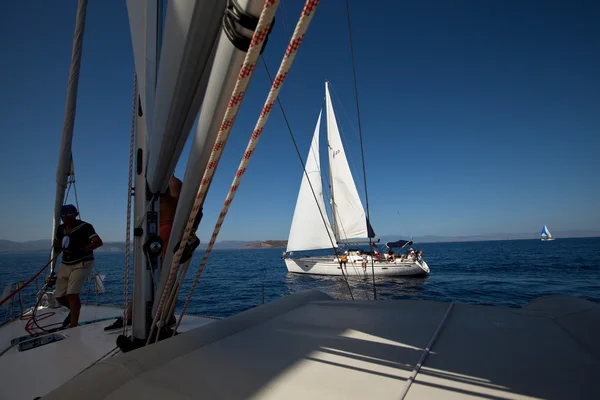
57 246
57 243
175 186
95 240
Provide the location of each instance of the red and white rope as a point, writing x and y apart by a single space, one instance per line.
246 71
129 184
286 63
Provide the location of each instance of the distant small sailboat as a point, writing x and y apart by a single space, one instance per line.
546 235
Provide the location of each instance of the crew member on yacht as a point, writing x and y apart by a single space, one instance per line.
77 260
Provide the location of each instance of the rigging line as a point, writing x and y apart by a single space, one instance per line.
284 68
287 123
67 193
362 152
259 36
76 198
405 226
129 192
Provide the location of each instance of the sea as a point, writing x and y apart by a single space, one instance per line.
507 273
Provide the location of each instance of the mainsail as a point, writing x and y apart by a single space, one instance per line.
350 219
350 224
310 228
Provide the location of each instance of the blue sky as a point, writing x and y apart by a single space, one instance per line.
478 117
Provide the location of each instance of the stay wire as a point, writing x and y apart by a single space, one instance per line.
362 152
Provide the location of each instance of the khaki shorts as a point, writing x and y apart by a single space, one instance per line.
71 277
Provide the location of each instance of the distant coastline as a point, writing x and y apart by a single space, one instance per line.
267 244
8 246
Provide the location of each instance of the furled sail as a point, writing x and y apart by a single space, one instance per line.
186 57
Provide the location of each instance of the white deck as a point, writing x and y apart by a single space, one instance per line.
307 346
31 373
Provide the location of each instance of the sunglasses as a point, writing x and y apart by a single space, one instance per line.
66 215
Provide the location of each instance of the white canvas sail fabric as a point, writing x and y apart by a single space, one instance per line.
310 228
223 77
350 220
545 232
186 57
143 23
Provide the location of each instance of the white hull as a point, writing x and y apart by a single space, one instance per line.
547 239
329 266
28 374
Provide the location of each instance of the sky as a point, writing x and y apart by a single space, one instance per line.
477 117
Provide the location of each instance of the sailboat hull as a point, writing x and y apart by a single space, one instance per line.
328 266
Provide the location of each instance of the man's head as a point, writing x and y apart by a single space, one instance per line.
68 213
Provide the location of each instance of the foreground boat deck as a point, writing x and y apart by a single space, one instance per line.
309 346
31 373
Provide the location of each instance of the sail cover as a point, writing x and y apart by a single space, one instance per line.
310 228
186 58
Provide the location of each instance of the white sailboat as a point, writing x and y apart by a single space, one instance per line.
546 235
306 345
312 230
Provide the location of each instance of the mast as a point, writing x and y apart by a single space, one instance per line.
334 225
65 155
144 21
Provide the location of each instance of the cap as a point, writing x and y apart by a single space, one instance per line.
68 209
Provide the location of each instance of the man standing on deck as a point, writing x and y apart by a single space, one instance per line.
78 240
168 206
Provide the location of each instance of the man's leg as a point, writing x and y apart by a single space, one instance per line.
60 291
79 274
75 307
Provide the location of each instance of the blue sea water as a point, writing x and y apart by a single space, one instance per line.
509 273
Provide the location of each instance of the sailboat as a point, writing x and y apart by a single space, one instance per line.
312 230
305 345
546 235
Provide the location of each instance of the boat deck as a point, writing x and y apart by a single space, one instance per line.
309 346
31 373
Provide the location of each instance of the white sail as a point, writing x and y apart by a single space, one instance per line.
143 23
350 220
223 77
546 233
310 228
185 61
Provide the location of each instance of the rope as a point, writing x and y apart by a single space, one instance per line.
260 34
286 63
362 152
129 193
425 353
4 300
323 217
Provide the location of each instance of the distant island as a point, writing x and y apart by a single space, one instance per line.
267 244
7 246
